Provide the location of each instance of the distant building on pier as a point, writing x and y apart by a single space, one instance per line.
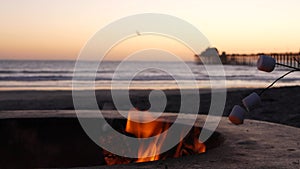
210 56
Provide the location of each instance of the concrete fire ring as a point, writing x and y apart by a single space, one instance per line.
255 144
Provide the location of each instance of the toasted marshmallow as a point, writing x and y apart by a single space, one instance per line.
237 115
266 63
252 101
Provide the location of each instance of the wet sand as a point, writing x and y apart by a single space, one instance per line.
279 105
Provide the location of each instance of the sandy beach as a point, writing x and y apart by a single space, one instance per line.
45 142
279 105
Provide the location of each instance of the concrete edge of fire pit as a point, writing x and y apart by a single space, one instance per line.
255 144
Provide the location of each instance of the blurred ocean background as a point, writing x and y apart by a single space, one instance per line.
58 75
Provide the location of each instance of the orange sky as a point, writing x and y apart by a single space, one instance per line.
40 29
152 44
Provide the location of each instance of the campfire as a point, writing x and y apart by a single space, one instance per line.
67 153
188 145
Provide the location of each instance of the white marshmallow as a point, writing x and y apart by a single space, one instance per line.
266 63
252 101
237 115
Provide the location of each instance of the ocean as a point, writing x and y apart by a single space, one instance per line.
58 75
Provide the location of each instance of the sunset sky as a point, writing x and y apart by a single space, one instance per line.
40 29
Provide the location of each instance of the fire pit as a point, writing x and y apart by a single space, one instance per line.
54 139
253 145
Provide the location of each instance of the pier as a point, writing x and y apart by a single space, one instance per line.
290 59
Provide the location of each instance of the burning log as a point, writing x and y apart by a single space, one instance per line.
190 145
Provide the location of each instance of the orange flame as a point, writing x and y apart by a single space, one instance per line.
145 130
153 128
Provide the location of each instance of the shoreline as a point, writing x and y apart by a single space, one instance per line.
230 86
279 105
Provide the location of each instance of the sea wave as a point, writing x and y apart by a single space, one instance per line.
49 71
